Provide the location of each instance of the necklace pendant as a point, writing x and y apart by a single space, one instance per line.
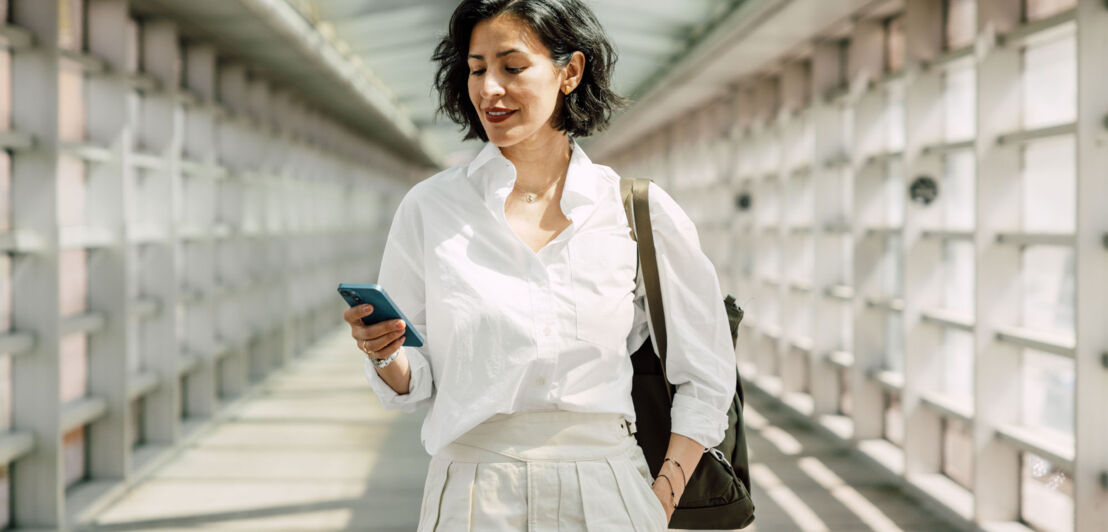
529 197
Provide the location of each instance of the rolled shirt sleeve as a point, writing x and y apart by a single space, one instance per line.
401 276
700 358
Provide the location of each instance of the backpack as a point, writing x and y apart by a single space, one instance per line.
717 495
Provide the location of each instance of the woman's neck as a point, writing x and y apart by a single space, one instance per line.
540 160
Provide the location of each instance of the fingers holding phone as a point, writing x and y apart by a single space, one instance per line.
379 339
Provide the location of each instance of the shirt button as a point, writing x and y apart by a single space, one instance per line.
540 381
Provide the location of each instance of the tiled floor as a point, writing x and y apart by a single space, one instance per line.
311 450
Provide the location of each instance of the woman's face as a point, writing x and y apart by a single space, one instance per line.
513 83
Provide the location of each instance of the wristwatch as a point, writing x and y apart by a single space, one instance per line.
384 362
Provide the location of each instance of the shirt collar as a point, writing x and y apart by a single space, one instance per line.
495 176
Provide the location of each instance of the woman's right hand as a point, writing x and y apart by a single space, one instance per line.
378 340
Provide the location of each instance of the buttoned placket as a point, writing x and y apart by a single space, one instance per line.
544 310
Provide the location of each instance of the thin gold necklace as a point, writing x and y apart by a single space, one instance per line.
530 197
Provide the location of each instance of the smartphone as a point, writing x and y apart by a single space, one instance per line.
383 308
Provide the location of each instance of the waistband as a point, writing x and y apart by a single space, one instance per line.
548 435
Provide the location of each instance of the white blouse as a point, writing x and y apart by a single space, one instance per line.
510 330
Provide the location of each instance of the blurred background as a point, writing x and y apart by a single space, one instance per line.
908 197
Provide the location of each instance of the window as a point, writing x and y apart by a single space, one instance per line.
958 276
1050 186
960 101
894 44
957 192
1046 495
845 402
74 459
893 428
957 454
894 342
958 364
1049 94
960 23
1048 289
1048 391
1040 9
5 498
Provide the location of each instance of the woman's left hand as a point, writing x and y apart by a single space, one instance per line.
661 491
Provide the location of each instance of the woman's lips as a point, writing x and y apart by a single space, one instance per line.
498 115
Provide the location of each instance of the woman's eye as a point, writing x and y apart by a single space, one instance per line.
514 70
476 72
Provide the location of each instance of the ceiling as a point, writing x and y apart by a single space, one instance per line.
275 42
367 63
396 39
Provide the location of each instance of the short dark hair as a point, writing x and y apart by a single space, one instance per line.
564 27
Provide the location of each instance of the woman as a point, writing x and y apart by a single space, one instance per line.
519 269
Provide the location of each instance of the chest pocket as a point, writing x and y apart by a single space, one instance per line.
603 272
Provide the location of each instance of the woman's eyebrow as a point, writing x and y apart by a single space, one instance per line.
498 54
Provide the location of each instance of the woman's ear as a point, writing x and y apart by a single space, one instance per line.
575 71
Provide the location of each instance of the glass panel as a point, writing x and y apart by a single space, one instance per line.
959 101
958 193
1039 9
961 23
134 427
5 499
893 267
958 276
71 192
958 452
958 364
5 393
73 264
894 44
1048 392
5 87
5 191
845 402
70 34
846 325
894 193
894 117
1048 289
73 456
894 342
846 250
1046 495
1050 81
74 367
802 258
1050 186
71 101
804 209
5 292
894 419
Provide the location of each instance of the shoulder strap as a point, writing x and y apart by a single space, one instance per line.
636 201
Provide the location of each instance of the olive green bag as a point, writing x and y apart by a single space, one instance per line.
718 492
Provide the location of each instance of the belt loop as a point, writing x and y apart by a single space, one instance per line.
630 427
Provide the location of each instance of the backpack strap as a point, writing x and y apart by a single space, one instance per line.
636 201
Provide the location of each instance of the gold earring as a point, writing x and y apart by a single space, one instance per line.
567 90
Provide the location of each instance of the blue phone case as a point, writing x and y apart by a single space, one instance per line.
383 308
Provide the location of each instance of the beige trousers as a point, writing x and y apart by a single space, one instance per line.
549 471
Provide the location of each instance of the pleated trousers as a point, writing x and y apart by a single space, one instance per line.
547 471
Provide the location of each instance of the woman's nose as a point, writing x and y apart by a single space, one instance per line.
491 87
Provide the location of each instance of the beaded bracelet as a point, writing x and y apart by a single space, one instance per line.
683 475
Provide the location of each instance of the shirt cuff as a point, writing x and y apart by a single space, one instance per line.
419 388
695 419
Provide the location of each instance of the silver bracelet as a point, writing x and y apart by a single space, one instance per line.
384 362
